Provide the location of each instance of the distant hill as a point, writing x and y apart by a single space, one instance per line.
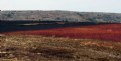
61 16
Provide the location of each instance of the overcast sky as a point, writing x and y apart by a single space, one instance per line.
71 5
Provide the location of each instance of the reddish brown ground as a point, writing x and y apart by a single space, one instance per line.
102 32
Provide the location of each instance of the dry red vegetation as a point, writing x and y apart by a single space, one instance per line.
102 32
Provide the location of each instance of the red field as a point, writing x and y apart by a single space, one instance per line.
111 32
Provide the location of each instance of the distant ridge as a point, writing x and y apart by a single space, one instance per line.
69 16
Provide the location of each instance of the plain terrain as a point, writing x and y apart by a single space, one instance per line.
60 36
38 48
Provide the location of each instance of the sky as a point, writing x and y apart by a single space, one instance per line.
68 5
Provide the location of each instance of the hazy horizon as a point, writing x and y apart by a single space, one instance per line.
111 6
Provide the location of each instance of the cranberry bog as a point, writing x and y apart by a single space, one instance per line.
109 32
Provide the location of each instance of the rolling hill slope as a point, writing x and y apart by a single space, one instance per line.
61 16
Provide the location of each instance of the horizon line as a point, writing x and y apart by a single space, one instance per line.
65 11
